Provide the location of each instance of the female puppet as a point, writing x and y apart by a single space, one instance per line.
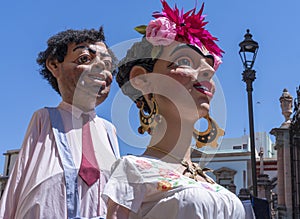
169 76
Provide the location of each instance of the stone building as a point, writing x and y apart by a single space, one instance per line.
288 154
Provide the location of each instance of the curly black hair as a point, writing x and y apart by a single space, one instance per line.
58 47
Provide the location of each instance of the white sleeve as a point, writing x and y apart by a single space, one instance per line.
126 185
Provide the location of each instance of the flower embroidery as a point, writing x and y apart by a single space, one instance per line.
218 188
164 185
169 174
212 187
144 165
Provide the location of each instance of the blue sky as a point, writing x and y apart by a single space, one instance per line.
26 26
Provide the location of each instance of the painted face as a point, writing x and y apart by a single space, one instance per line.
84 78
192 69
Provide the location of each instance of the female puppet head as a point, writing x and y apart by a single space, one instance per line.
175 44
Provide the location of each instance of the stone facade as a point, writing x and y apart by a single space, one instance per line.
288 158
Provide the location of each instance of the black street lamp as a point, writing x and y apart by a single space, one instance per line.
248 53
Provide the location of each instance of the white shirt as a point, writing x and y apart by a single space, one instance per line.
36 186
153 189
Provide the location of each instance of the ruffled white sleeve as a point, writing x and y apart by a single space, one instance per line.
126 185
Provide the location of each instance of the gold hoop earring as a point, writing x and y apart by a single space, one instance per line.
210 136
148 122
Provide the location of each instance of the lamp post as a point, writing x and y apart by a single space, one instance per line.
248 51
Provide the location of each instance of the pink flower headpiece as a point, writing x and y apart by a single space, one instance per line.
173 24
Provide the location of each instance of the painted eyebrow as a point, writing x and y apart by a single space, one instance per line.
91 51
105 54
85 47
196 49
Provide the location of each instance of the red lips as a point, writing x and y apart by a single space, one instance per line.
204 87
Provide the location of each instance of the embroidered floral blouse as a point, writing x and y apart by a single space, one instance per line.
151 188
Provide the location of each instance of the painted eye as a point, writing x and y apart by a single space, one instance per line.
85 59
210 60
184 61
108 65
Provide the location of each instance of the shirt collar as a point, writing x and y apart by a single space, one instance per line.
75 111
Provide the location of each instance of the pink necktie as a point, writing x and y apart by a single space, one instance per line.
88 171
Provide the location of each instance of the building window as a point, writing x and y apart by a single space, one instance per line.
237 147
